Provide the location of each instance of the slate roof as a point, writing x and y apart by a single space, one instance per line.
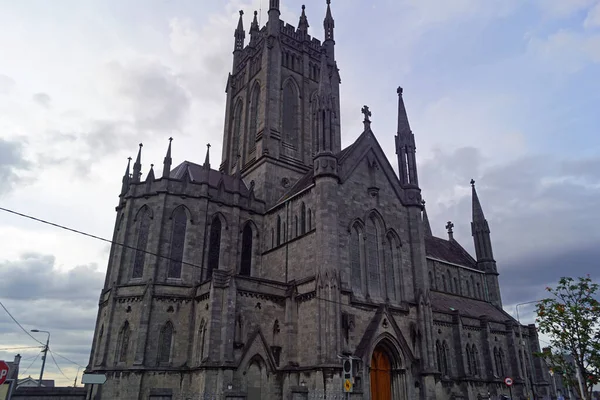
473 308
447 250
197 174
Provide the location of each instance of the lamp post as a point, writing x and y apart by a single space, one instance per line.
551 372
44 356
524 364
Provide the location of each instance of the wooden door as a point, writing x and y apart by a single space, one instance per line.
381 376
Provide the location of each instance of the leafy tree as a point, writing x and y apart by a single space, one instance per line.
571 318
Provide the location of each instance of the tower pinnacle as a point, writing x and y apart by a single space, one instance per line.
137 166
126 178
207 158
254 29
480 229
168 161
405 149
426 224
239 34
303 23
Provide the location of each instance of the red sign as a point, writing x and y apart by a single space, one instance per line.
3 371
508 382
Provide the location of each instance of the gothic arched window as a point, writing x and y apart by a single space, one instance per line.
475 360
373 268
302 219
246 265
390 262
438 355
123 342
165 343
214 246
177 242
99 346
237 131
431 282
445 358
355 264
253 125
456 288
314 124
444 284
290 124
309 219
142 242
469 360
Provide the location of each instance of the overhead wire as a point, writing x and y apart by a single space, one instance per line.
20 326
57 366
26 369
56 225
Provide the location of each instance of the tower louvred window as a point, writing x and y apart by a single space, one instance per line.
177 242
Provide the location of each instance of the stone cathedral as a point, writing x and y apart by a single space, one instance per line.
260 277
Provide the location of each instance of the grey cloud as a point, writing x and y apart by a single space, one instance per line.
154 95
34 276
542 213
6 84
42 99
12 162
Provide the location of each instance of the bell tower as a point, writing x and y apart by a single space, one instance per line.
272 102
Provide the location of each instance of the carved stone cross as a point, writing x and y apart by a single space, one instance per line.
365 110
449 226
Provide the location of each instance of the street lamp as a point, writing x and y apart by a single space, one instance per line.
524 366
44 356
551 372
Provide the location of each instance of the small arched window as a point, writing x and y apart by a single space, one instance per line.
99 346
142 243
431 282
246 264
165 343
177 242
390 262
201 340
214 246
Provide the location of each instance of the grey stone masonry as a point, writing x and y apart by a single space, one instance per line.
257 279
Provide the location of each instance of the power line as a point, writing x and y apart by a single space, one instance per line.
36 357
71 361
55 363
20 326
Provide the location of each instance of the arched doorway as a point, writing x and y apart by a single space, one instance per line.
381 375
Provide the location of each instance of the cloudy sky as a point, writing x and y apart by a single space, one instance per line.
502 91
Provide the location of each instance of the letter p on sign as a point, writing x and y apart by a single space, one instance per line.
3 371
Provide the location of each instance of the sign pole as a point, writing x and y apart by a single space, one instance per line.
510 391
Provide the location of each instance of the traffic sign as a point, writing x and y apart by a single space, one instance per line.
3 371
93 379
508 381
347 385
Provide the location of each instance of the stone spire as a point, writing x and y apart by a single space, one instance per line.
168 161
254 29
126 178
207 158
239 34
480 229
483 250
426 224
405 150
329 25
137 166
150 177
303 23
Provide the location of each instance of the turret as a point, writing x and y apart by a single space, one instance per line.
239 35
168 161
137 166
274 23
325 162
483 249
329 25
405 150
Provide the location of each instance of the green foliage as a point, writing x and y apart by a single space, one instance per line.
571 318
